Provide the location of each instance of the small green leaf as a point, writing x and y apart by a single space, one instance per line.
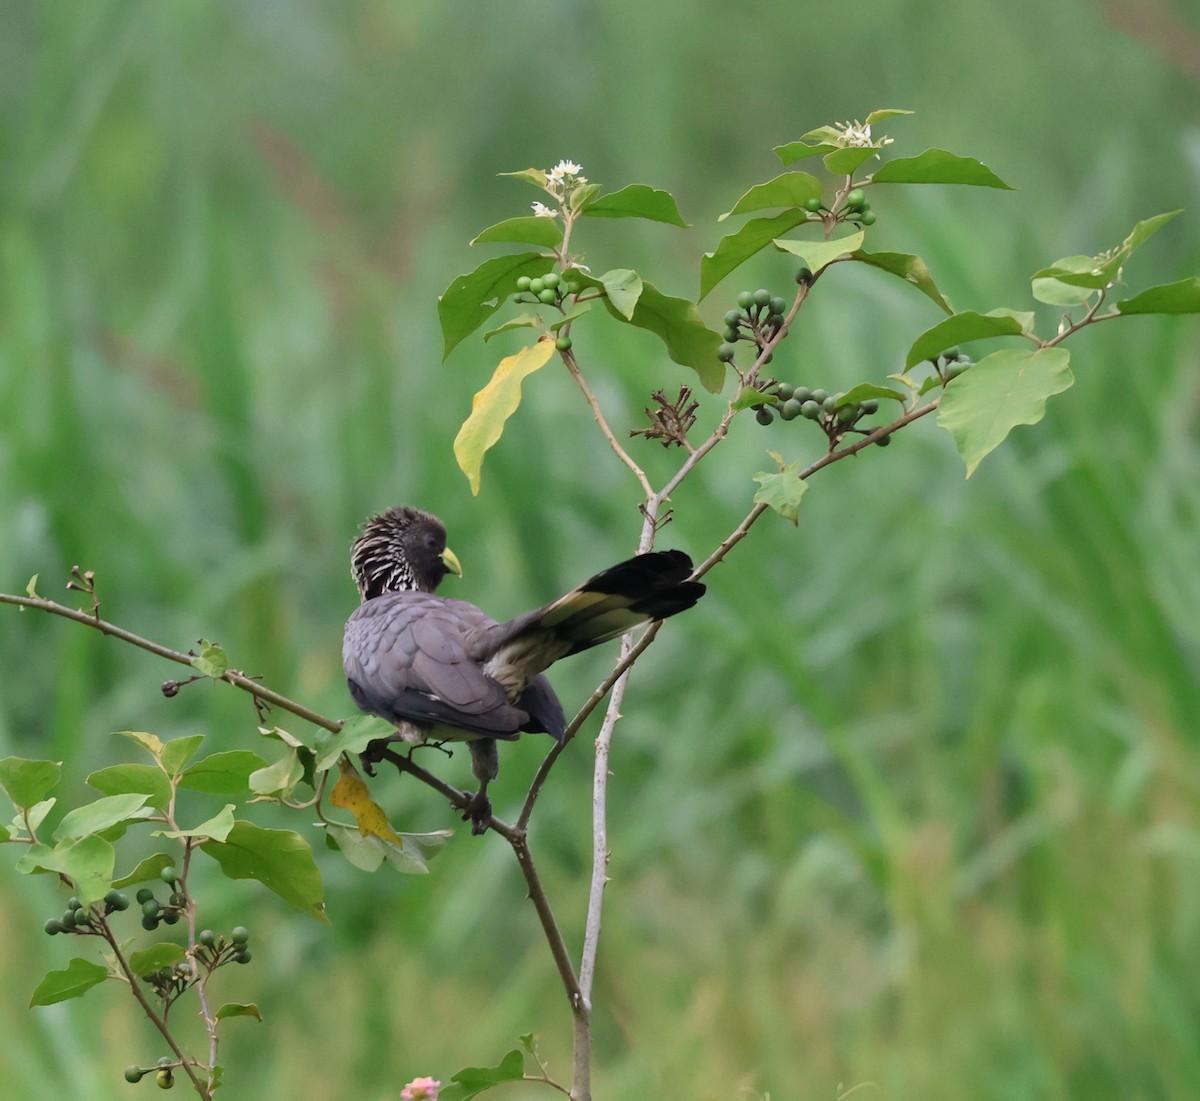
148 780
961 328
278 780
145 870
581 197
1002 390
217 827
849 159
820 254
493 405
239 1009
279 859
530 230
356 734
571 313
472 298
521 321
882 113
912 269
37 858
100 815
31 588
151 743
534 176
178 751
750 396
1168 298
224 773
623 288
936 166
73 982
735 249
211 661
89 864
866 390
1047 287
782 490
637 201
469 1082
155 958
792 189
799 150
27 782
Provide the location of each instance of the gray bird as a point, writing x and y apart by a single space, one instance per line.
443 670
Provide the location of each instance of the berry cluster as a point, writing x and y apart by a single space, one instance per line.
168 913
758 318
950 364
82 919
548 289
164 1074
836 417
854 208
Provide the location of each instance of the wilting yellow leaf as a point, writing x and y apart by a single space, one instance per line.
351 794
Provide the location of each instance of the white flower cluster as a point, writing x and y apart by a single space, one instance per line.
561 180
859 134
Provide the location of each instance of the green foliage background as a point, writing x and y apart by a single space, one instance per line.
911 799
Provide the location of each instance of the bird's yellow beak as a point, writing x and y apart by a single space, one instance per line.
452 562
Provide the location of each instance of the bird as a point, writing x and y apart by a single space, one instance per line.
441 669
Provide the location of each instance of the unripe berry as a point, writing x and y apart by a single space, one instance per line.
208 938
83 916
164 1079
149 922
150 907
783 390
762 297
802 393
810 409
547 296
777 306
731 335
239 935
855 198
536 286
732 318
829 404
133 1074
242 956
563 343
819 395
746 300
883 441
551 279
54 926
144 895
726 352
868 219
869 405
523 282
847 414
804 275
171 917
812 205
169 874
790 409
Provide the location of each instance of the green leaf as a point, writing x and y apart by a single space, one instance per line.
279 779
677 323
582 196
472 298
89 863
1002 390
469 1082
211 661
279 859
570 314
530 230
224 773
735 249
356 734
881 113
369 851
637 201
178 751
239 1009
750 396
936 166
849 159
493 405
534 176
792 189
623 288
798 150
1094 273
151 743
866 390
1170 298
145 870
37 858
1047 287
156 957
521 321
961 328
217 827
28 781
76 980
148 780
912 269
820 254
100 815
782 490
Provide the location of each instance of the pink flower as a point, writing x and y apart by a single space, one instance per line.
421 1089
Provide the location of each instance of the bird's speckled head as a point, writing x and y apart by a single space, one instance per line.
401 550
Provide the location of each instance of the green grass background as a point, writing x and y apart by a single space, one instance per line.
909 803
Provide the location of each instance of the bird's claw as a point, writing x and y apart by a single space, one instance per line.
478 812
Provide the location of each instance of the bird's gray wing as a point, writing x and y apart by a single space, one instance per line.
405 660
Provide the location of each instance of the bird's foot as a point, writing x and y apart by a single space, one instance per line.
479 812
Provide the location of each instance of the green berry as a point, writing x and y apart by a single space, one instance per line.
804 275
54 926
68 920
762 297
790 409
810 409
951 354
763 415
83 916
151 907
144 895
802 393
829 404
746 300
171 916
164 1079
953 370
240 934
571 288
536 286
812 205
848 414
115 900
883 441
768 357
73 903
732 336
150 922
563 343
869 405
732 318
242 956
169 874
551 279
208 938
868 219
855 199
523 282
783 390
133 1074
726 352
819 395
777 307
547 296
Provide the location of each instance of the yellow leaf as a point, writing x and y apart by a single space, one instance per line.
493 405
351 794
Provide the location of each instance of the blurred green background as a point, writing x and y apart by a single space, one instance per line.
910 802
